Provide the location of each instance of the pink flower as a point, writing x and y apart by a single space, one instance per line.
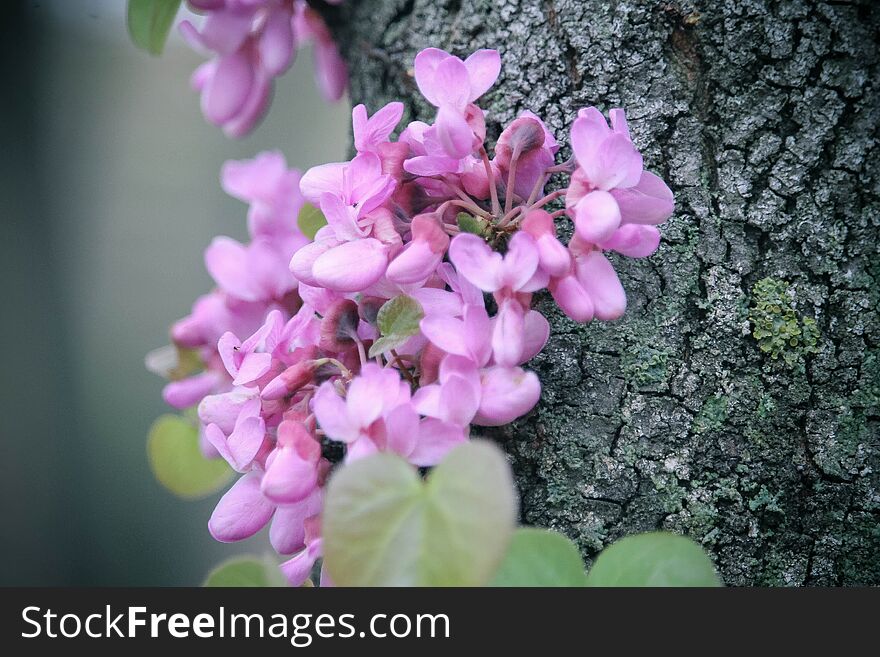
272 190
421 256
293 468
244 510
371 132
452 85
252 272
609 187
514 273
529 148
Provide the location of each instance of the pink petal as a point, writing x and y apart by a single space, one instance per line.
242 511
437 302
341 217
507 393
520 261
401 429
458 401
331 72
536 331
276 45
453 132
225 31
227 263
189 391
649 202
289 478
245 441
253 109
483 68
446 333
507 333
598 278
553 256
366 393
369 133
303 260
256 179
287 533
224 409
571 297
634 240
477 329
227 90
360 448
332 414
617 164
475 261
425 69
596 216
414 264
320 179
588 133
436 439
298 569
335 269
215 437
451 84
253 366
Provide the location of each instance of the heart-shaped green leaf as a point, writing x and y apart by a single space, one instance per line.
384 526
149 22
177 461
246 572
398 320
539 557
310 220
654 559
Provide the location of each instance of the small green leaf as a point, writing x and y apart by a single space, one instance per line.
310 220
386 343
400 316
398 320
654 559
177 461
383 526
149 22
252 572
539 557
470 224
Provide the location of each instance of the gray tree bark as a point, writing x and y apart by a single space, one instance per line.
737 401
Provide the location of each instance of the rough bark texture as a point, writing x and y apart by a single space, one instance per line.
716 407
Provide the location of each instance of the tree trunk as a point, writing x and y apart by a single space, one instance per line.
737 401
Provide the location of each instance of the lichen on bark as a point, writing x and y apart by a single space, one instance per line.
762 115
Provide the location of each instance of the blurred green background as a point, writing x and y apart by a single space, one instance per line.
110 193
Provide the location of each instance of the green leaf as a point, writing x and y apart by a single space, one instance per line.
383 526
149 22
654 559
177 461
398 320
310 220
246 571
386 344
470 224
539 557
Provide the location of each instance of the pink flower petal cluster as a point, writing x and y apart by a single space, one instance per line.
253 42
300 368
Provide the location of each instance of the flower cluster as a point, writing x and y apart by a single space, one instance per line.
253 42
407 318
